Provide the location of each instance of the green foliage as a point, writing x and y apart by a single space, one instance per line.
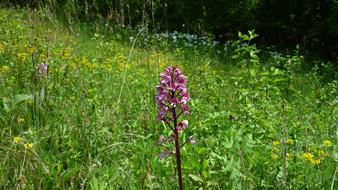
90 123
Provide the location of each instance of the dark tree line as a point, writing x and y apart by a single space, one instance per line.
313 24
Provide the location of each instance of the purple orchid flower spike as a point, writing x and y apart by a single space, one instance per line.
171 100
172 93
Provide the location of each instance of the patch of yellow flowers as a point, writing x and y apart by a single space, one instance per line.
327 143
121 59
276 149
122 62
310 158
313 156
66 53
321 154
31 50
22 57
92 64
26 145
156 58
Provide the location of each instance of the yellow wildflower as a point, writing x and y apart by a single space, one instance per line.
31 50
85 62
42 57
315 161
289 141
66 53
22 57
276 143
17 140
308 156
124 66
21 120
28 145
121 58
327 143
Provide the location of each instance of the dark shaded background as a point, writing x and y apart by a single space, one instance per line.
312 24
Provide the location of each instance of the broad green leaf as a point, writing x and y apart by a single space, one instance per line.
194 163
212 183
228 144
278 72
245 37
196 178
201 150
22 97
205 164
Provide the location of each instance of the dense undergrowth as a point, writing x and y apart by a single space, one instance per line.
90 123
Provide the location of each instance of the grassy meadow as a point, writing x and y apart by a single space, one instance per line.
260 119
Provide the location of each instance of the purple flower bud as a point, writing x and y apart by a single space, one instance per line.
192 140
43 68
161 140
182 125
172 138
185 123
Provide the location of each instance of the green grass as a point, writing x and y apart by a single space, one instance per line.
91 123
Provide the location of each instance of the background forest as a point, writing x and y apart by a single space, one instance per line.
312 24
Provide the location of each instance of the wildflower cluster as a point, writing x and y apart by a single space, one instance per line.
316 155
156 58
172 98
27 145
172 94
177 39
22 57
277 149
327 143
310 158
